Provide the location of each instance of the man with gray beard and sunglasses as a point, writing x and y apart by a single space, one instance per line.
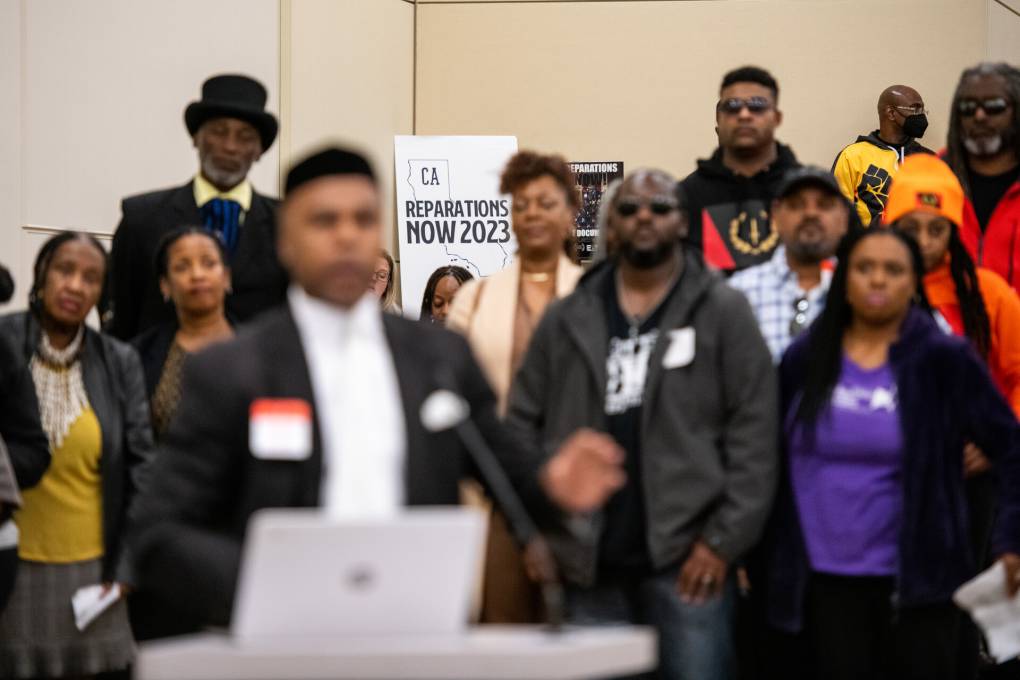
983 149
787 293
654 349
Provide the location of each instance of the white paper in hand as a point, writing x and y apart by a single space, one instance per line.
89 602
998 615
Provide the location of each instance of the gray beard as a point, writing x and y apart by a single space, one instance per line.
987 146
219 177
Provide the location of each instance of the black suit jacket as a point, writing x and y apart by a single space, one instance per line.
259 282
190 524
20 426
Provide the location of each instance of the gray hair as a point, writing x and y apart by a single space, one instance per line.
605 205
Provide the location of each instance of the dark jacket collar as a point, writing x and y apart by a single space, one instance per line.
907 147
918 327
785 160
584 313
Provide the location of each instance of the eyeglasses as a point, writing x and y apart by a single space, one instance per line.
992 106
380 276
800 316
915 110
735 105
629 207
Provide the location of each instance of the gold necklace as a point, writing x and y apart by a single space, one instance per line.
536 277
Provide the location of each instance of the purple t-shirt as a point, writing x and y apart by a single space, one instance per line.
847 482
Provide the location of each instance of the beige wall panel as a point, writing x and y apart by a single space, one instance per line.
1004 32
639 80
105 87
351 79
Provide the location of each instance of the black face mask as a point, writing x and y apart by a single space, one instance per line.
915 125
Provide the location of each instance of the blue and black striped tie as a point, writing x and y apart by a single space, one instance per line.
222 217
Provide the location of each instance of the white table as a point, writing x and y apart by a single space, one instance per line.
482 653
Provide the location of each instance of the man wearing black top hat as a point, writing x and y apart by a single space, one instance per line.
231 130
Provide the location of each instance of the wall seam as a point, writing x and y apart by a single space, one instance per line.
285 92
1009 9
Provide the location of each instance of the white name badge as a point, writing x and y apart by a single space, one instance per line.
280 429
681 348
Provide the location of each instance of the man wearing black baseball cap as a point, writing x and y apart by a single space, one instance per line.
787 292
230 129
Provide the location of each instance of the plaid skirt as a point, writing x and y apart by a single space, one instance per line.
38 637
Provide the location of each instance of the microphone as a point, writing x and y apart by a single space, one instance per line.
447 410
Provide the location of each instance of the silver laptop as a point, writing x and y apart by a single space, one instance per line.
308 575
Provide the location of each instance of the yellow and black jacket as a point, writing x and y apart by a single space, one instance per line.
865 168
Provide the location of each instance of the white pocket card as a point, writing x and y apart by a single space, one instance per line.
91 601
280 429
681 348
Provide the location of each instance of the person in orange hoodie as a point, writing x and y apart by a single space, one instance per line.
926 202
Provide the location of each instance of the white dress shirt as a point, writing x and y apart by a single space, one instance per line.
358 404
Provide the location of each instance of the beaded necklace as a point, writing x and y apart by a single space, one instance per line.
59 386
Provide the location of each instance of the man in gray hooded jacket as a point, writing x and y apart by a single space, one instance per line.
656 350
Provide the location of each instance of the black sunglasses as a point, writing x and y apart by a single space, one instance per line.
735 105
659 206
992 106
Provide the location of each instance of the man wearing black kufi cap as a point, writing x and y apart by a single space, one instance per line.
230 129
351 382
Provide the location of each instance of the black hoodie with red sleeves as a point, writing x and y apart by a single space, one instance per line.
729 213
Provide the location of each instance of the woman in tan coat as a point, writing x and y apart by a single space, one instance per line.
498 316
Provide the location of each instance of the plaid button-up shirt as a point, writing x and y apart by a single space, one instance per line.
773 291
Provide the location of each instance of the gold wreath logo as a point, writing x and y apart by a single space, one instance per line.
755 246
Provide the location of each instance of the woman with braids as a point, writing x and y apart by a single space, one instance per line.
92 401
869 537
926 203
440 290
498 316
193 275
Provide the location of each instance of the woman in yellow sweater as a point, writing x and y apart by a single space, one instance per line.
93 409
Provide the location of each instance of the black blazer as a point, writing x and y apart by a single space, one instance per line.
20 426
153 347
116 390
259 281
188 527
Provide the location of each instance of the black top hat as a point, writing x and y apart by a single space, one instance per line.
233 97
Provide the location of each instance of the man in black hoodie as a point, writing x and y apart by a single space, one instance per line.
729 195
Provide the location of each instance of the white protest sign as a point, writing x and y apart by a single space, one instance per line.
449 209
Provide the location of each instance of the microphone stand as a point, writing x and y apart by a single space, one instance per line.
537 553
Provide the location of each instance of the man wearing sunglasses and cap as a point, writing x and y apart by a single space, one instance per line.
230 129
865 168
729 195
788 292
983 150
656 350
